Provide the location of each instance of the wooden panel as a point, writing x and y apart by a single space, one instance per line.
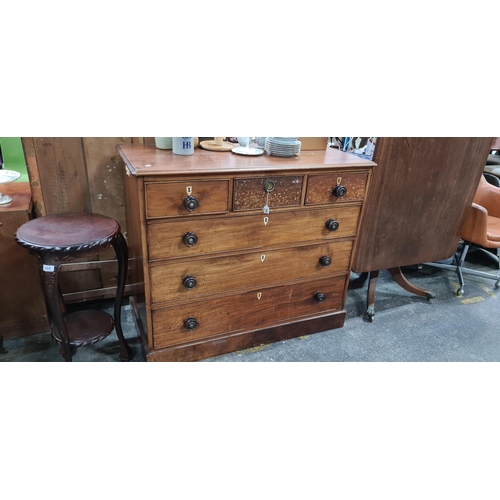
34 176
105 180
105 176
75 281
22 304
249 194
320 187
167 199
79 174
63 174
64 181
248 232
418 200
246 311
221 274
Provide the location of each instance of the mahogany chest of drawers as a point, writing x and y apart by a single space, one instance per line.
219 273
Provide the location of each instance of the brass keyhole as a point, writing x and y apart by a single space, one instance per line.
259 296
339 181
269 186
266 220
189 190
262 258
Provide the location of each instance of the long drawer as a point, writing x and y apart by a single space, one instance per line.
250 310
192 278
183 238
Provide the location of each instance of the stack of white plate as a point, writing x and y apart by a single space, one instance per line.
282 146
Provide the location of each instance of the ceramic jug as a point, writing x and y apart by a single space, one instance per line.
183 145
163 142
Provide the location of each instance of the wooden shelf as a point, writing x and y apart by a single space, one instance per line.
85 327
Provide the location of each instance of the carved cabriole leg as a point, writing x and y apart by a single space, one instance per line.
51 267
370 301
406 285
121 249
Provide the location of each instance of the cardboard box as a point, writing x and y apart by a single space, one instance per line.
310 143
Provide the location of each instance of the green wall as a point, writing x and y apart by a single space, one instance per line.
13 156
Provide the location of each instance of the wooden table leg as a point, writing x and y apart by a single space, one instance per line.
406 285
399 278
370 300
51 267
121 249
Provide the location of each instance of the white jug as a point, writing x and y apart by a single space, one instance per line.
183 145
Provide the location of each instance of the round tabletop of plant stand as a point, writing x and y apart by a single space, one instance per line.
68 232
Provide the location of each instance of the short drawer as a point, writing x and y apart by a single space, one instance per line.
249 194
190 237
174 199
247 311
196 277
323 188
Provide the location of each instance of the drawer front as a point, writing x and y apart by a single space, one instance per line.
245 311
249 194
321 188
168 199
206 276
182 238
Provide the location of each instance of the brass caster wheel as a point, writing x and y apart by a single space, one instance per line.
460 292
430 295
497 284
370 313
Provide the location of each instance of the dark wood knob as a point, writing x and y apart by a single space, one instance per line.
191 203
332 225
190 239
325 261
190 323
320 297
339 191
189 282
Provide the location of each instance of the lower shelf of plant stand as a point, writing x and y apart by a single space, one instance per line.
85 327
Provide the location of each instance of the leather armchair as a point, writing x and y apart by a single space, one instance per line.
482 226
481 229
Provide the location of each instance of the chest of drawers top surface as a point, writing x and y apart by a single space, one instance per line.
147 160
